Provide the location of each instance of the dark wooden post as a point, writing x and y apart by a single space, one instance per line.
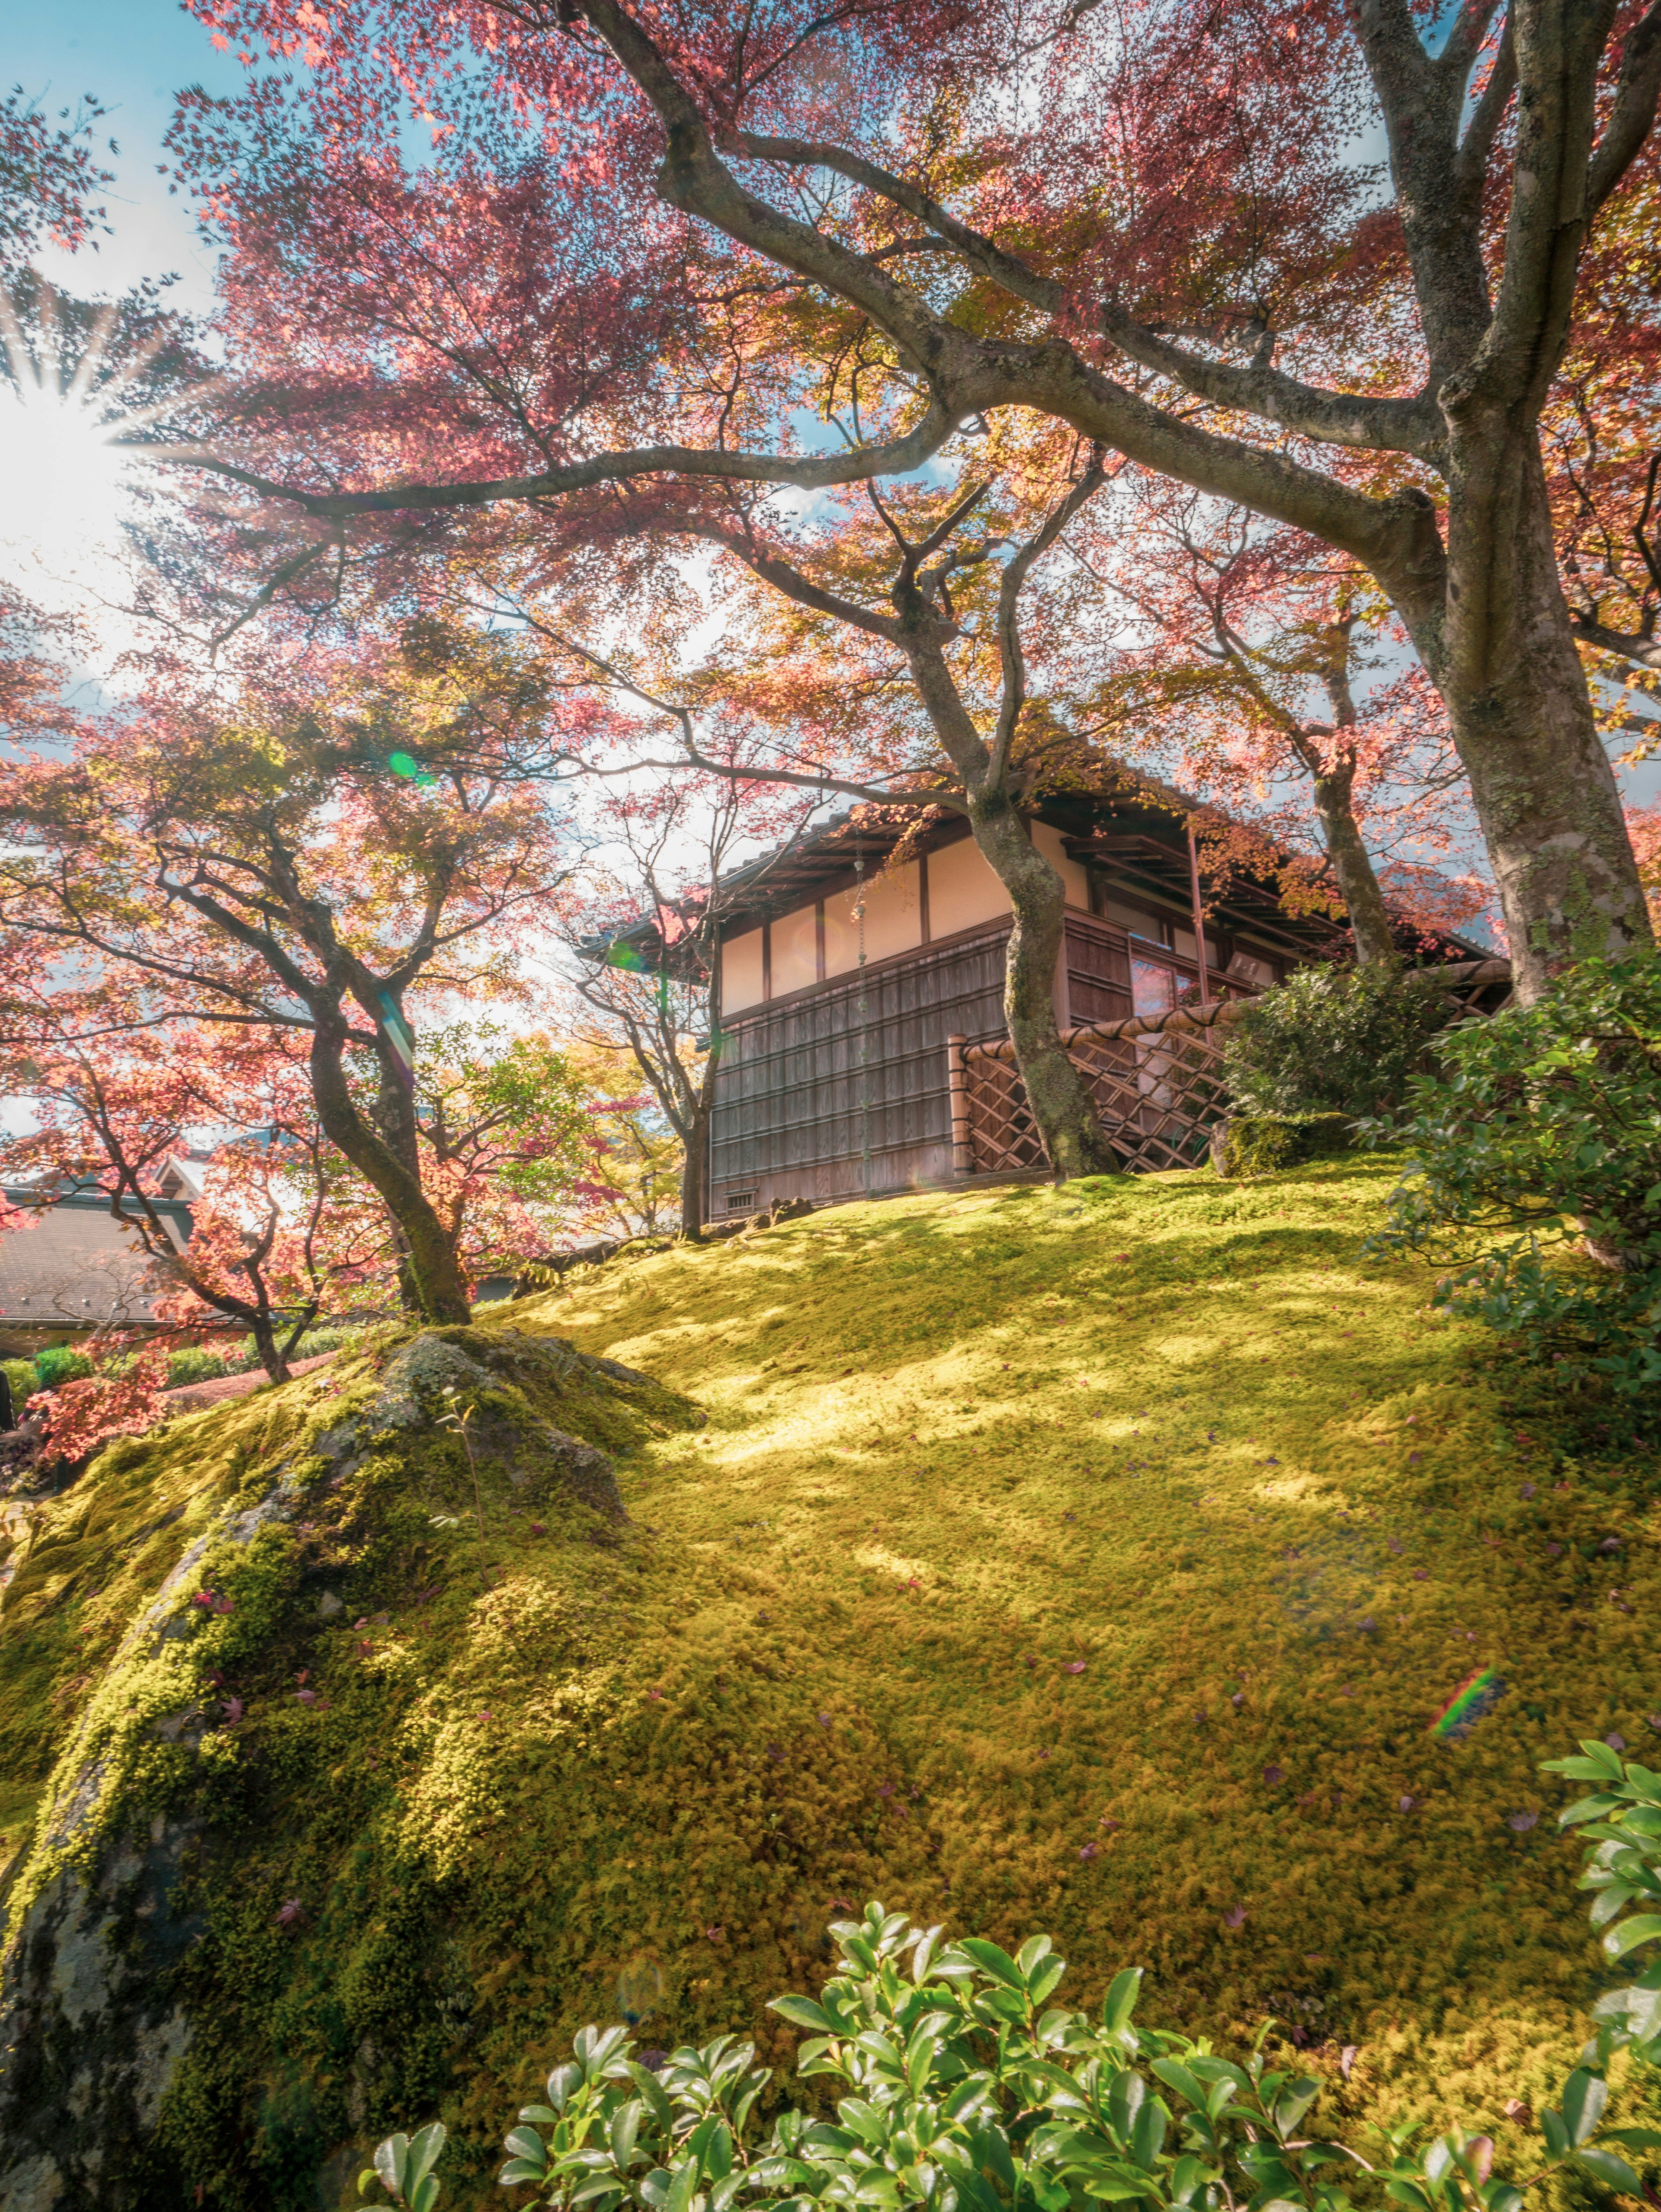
957 1080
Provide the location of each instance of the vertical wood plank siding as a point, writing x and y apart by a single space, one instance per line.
788 1119
1098 971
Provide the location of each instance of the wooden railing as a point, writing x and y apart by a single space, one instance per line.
1157 1080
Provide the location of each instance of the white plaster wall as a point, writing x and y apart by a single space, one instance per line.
1071 873
795 951
962 889
893 919
740 972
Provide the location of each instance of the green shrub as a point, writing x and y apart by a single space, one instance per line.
1543 1137
965 2090
1334 1041
241 1356
329 1338
197 1363
59 1363
24 1381
1252 1144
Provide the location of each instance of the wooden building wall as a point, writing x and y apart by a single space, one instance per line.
808 1085
832 1079
814 1093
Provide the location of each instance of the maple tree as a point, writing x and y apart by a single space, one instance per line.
648 241
49 170
123 1398
1244 674
643 941
913 617
878 650
636 1177
510 1144
353 826
275 1240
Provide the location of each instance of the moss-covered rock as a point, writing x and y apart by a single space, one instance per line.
297 1608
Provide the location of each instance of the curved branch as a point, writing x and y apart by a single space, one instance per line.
1623 645
807 472
1470 162
1334 417
804 779
1015 573
1637 91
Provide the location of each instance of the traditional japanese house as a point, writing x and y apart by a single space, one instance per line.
860 1020
70 1269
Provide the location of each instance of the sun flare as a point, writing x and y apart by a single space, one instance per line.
66 479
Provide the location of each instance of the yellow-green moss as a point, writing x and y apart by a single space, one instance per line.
1092 1560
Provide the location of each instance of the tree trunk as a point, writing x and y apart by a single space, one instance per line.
439 1287
694 1173
270 1351
1061 1106
1504 661
1352 866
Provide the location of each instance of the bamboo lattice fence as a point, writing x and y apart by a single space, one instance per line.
1157 1080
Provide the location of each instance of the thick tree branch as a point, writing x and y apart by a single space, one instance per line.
1558 53
807 471
1333 417
773 569
1623 645
1465 38
1637 91
1423 104
692 177
1470 164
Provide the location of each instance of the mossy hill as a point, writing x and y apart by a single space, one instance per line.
1092 1560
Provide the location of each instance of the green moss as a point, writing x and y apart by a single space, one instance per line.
1090 1559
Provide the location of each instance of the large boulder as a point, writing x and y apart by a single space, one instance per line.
297 1602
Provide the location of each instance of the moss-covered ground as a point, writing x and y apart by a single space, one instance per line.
1094 1561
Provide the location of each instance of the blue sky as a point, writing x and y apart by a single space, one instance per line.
132 55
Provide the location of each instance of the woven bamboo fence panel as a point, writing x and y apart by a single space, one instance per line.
1157 1080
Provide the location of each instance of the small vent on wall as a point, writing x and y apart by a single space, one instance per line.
740 1201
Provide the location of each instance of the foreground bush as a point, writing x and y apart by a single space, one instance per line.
1542 1138
965 2090
59 1363
1334 1041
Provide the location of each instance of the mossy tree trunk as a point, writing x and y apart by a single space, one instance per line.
1352 866
983 778
992 782
694 1175
387 1166
1061 1105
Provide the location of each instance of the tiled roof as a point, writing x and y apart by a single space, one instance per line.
75 1266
